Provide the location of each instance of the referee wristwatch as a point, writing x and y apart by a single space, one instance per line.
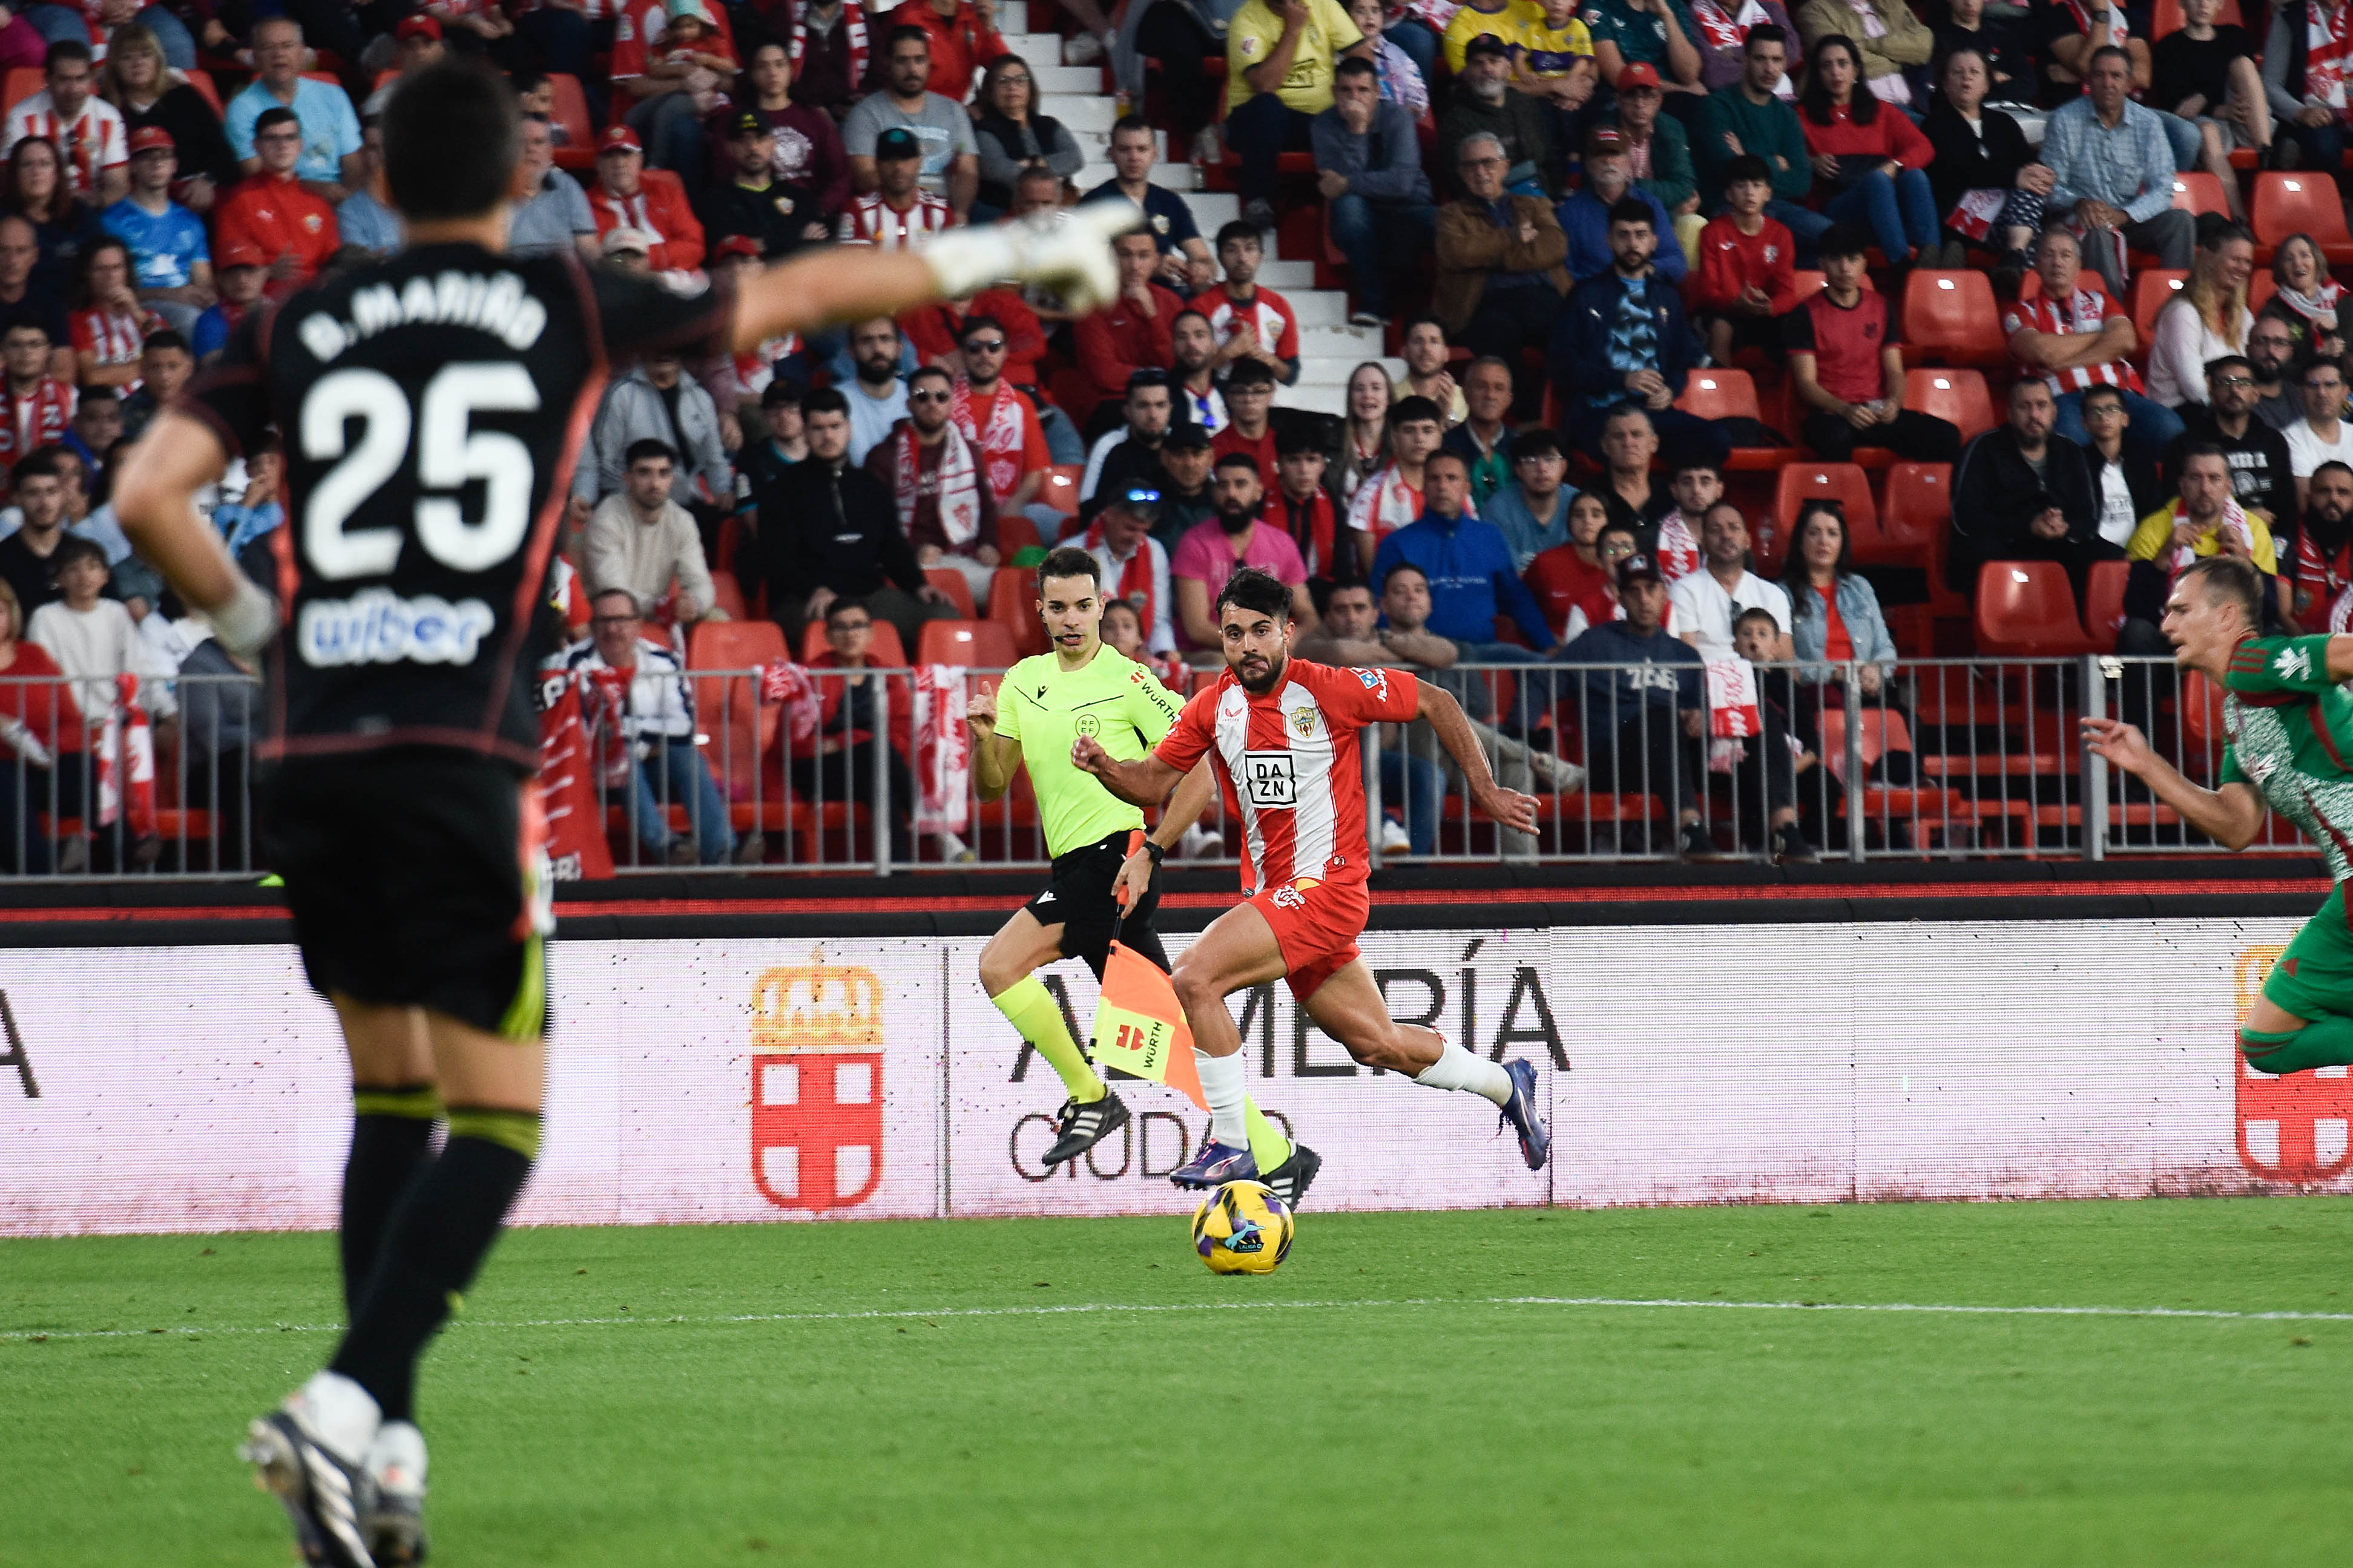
1151 847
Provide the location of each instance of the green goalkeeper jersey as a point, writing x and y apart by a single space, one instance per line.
1046 709
2291 734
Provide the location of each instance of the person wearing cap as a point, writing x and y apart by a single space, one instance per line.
1623 339
275 212
362 219
806 156
87 131
1658 152
1130 333
171 262
1584 217
1376 199
749 203
1485 105
624 199
1130 454
239 271
1660 34
653 61
693 57
941 129
1189 495
328 154
627 249
1750 117
1499 21
1642 722
1500 278
421 42
1279 62
963 39
1132 564
898 214
555 215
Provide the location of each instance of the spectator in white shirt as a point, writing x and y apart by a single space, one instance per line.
2322 436
1708 601
94 639
87 131
647 716
640 541
1135 567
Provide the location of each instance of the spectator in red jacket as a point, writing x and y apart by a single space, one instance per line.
273 212
1747 268
1129 334
1868 162
625 198
963 40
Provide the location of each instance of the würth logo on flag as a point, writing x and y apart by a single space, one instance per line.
816 1085
2292 1127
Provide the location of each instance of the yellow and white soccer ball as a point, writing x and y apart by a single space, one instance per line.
1243 1228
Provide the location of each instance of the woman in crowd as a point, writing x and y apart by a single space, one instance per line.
1365 442
43 742
2306 300
1889 44
1835 608
839 765
808 156
1013 136
1569 577
149 93
1869 162
108 325
36 191
2208 318
1986 180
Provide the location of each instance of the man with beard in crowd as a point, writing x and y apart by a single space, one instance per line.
1233 538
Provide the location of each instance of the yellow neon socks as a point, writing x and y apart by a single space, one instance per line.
1029 1008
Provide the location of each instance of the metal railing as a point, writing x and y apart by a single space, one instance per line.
830 770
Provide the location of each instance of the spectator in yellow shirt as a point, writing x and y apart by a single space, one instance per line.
1279 63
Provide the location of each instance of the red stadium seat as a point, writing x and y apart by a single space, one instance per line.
951 582
2301 202
1013 605
1016 532
1802 483
2104 603
21 83
2200 191
729 709
578 148
2166 16
727 594
883 648
977 644
1731 394
1949 319
1919 507
1958 396
2026 610
2152 290
1061 490
2261 287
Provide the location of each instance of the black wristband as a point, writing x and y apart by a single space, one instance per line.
1152 847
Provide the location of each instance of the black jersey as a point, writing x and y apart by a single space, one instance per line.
432 406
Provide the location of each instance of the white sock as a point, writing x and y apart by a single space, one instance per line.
1458 1069
339 1413
396 1458
1225 1081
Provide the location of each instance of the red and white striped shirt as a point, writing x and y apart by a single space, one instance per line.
1278 328
2085 310
115 339
35 420
91 142
1289 763
870 220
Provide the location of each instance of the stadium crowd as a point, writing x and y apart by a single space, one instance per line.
1636 257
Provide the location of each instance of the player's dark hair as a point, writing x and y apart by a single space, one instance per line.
1416 409
650 447
2346 469
2222 362
2104 51
2232 581
525 82
825 400
2201 449
1443 335
2115 393
901 34
1632 209
1130 123
65 49
166 339
920 370
1755 613
1688 466
1239 461
86 395
1067 561
452 136
1842 239
24 324
73 547
1766 33
1748 166
1256 591
1297 439
1447 455
1536 443
1355 66
271 119
843 606
978 324
32 466
1388 576
1238 230
1250 373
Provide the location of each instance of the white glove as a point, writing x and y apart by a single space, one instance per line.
247 623
1068 251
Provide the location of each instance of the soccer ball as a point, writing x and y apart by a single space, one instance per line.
1243 1228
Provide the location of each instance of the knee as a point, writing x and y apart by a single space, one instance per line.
1194 987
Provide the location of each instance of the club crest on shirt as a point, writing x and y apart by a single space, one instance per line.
310 222
1772 254
1304 719
1088 725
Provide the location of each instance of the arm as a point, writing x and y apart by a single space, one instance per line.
2233 814
964 184
1184 809
1546 251
1145 782
1193 612
2157 189
1890 377
1908 42
1509 807
178 455
1682 58
997 166
2276 47
995 758
1521 605
1467 242
1268 74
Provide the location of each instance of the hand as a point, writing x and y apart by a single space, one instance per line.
816 231
2185 536
1861 416
2037 178
1199 275
1295 14
1527 232
1756 301
931 595
1643 382
1139 293
1660 400
1134 881
730 436
1441 392
1333 187
1731 144
1508 807
980 712
1867 677
2114 741
927 555
1173 268
288 265
2229 542
2314 115
1088 756
821 600
1825 165
1889 167
1695 723
987 555
2050 523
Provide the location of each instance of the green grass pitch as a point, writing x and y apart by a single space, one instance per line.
979 1393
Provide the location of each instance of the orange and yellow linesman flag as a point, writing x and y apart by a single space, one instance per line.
1139 1027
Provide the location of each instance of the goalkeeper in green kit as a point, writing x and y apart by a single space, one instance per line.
2290 727
1042 706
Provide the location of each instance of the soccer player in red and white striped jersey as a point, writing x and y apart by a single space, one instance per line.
1284 734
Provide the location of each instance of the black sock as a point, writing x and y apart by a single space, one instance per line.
436 1242
387 1151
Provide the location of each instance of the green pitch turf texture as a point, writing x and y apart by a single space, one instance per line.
996 1393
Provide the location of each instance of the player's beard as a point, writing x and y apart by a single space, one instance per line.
1260 684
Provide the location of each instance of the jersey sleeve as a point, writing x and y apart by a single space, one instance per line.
233 396
638 314
1188 740
1369 696
1009 708
1150 707
2262 666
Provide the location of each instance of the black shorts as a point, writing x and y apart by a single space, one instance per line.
1079 897
413 880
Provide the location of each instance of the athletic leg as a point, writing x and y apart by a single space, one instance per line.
395 1103
1237 950
1021 947
2304 1019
